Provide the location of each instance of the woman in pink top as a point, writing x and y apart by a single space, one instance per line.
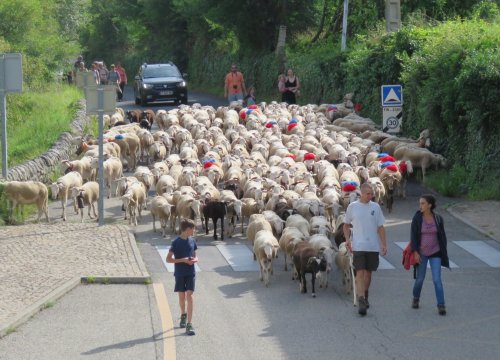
428 240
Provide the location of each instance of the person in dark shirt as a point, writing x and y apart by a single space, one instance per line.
182 253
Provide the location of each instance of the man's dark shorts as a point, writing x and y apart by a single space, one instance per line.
184 283
365 260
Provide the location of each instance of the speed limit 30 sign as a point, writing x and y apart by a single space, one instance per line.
392 119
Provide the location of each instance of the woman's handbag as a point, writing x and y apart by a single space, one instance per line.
409 260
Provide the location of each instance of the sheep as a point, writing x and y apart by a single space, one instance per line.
134 116
421 158
187 207
215 210
306 261
290 237
324 248
132 144
82 166
27 192
144 175
113 170
133 201
300 223
343 260
248 207
390 179
406 169
256 223
276 222
165 184
378 189
146 140
162 209
309 208
265 247
87 194
63 187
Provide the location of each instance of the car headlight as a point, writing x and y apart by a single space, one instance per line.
147 86
182 84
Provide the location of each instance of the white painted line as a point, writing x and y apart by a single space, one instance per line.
384 264
402 245
389 223
163 251
239 257
481 250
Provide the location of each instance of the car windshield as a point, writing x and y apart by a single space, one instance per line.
157 72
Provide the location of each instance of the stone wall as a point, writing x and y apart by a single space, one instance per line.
39 169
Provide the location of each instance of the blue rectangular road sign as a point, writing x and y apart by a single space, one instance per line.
392 95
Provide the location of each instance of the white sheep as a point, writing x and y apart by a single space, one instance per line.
133 201
113 170
290 237
324 248
161 208
87 194
300 223
27 192
343 260
265 248
256 223
63 187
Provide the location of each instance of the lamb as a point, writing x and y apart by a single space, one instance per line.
87 194
63 186
27 192
343 260
306 261
325 249
264 248
162 209
215 210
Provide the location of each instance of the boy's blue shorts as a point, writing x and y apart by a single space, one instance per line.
184 283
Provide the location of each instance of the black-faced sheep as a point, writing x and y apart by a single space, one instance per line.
306 261
215 210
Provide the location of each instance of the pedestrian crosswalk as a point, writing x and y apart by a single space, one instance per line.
239 257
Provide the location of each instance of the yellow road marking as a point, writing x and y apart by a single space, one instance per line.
167 323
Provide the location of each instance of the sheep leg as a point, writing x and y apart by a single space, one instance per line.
222 229
214 220
302 278
63 202
154 223
93 209
286 267
313 280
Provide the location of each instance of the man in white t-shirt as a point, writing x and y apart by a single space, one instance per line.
365 237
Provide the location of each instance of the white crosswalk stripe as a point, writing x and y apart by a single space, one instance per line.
481 250
240 257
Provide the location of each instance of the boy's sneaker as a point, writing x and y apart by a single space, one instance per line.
190 329
441 310
183 320
361 306
415 303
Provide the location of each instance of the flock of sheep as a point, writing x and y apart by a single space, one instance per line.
290 171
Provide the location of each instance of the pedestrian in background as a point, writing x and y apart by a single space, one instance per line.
428 241
103 73
366 239
182 253
292 88
281 86
234 85
123 79
250 97
95 71
114 79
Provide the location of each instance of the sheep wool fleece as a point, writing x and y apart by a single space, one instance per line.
365 220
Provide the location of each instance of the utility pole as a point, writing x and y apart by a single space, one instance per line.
344 25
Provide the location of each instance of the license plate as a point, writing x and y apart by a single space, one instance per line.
166 92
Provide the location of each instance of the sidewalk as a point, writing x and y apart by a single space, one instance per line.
41 262
483 216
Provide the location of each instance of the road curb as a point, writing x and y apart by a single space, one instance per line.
137 254
467 222
33 309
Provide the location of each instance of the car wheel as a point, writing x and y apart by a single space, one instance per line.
144 102
184 100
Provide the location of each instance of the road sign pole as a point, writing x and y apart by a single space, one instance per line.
344 25
3 109
100 112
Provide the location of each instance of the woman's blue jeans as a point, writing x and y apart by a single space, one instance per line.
435 263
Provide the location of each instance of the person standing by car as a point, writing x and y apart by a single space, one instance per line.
428 242
366 239
123 79
234 85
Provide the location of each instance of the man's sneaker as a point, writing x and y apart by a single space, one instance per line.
366 299
190 329
414 303
183 320
361 306
441 310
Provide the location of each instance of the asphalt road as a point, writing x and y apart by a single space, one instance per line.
237 317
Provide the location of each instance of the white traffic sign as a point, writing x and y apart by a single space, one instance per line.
107 103
392 119
11 72
392 95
